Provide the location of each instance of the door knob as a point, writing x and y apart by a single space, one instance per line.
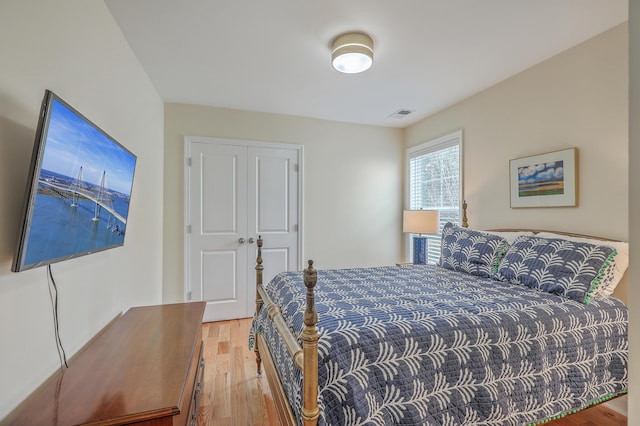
251 240
241 240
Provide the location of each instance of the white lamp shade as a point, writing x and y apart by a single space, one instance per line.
421 221
352 53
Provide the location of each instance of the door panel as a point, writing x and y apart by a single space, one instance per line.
273 207
219 191
272 184
220 264
275 260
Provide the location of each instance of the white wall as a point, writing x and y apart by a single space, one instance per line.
352 184
634 211
578 98
75 49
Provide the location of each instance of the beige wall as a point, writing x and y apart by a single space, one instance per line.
352 184
578 98
634 211
75 49
575 99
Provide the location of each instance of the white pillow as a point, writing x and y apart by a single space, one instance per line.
510 236
621 259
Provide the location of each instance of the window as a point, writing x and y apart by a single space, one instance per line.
435 183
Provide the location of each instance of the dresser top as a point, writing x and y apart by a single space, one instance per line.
135 370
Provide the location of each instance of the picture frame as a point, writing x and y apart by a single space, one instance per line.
545 180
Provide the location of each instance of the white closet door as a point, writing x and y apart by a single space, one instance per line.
217 257
236 193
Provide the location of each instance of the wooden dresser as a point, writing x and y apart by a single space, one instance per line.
145 368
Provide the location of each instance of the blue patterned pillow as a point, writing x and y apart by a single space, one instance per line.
568 268
473 252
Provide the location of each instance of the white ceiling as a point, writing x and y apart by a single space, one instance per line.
274 56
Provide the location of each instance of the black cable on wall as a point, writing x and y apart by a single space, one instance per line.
53 295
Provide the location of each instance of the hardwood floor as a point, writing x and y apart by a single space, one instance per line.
234 396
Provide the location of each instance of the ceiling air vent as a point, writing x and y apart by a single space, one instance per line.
402 113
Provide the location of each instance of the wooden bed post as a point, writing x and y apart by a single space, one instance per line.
259 269
465 221
309 337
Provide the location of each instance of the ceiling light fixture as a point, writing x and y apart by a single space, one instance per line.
352 53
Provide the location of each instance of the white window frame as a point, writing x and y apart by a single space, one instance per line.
451 139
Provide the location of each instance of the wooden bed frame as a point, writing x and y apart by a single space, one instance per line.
306 357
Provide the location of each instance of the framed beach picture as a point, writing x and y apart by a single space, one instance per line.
545 180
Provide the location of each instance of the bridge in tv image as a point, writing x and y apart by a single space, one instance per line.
77 189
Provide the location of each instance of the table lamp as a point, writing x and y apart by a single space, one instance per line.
420 222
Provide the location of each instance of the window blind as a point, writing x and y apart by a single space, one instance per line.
435 183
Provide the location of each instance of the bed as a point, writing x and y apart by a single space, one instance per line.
511 328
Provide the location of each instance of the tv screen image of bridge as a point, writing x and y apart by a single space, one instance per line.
99 195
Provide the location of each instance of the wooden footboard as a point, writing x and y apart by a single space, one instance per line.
285 413
305 357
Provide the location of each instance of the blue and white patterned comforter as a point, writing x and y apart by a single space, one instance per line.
423 345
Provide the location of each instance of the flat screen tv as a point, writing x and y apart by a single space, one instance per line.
78 190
